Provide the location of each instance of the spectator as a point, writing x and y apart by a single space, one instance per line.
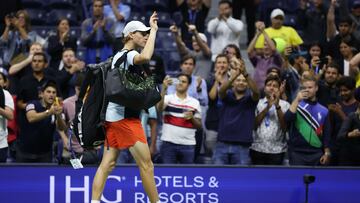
269 144
181 119
17 37
120 14
250 7
239 105
349 137
6 113
89 156
347 53
354 15
43 116
340 111
66 73
295 64
212 115
232 50
278 30
23 68
60 41
328 92
335 36
309 127
194 12
315 59
97 35
312 19
201 50
262 62
156 67
224 29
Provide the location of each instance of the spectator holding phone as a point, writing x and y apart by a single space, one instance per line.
309 137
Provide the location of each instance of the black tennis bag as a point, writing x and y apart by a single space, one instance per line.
90 108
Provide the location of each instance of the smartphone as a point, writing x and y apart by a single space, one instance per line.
324 60
175 81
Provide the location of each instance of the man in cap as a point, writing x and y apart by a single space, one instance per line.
278 30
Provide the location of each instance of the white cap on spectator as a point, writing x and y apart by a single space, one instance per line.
133 26
203 37
277 12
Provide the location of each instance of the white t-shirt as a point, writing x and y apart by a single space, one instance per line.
346 68
176 129
9 102
115 112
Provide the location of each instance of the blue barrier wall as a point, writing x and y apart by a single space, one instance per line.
56 184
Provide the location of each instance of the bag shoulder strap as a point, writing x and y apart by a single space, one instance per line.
122 59
87 80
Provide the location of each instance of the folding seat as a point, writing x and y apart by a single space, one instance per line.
37 16
135 5
32 3
61 4
138 16
156 5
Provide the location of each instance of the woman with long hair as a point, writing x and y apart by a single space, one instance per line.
123 126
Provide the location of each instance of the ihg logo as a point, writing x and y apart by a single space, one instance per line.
84 189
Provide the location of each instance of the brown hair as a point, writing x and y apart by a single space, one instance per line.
27 19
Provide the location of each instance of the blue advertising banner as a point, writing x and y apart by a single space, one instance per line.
177 184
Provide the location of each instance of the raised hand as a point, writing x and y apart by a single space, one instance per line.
153 21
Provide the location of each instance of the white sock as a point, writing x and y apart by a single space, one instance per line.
95 201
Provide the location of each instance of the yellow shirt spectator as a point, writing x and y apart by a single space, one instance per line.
289 34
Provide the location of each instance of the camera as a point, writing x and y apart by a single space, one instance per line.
324 60
309 178
11 15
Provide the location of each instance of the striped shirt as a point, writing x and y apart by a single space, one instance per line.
176 129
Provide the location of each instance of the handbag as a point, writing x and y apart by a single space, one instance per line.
129 88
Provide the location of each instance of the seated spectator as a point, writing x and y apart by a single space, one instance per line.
6 113
119 13
23 68
60 41
201 50
193 12
17 37
262 62
224 29
278 30
97 35
181 119
43 117
239 96
309 134
269 145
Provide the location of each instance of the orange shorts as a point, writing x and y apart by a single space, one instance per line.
124 133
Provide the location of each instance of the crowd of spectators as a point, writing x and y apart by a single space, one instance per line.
299 107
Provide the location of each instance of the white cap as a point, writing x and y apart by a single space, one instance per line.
203 37
277 12
133 26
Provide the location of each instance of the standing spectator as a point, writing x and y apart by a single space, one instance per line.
269 57
239 96
312 19
6 113
354 15
250 7
347 53
309 127
194 12
201 50
181 119
335 36
23 68
17 37
43 117
339 113
269 144
60 41
328 92
224 29
349 137
66 73
213 113
97 35
278 30
232 50
119 13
